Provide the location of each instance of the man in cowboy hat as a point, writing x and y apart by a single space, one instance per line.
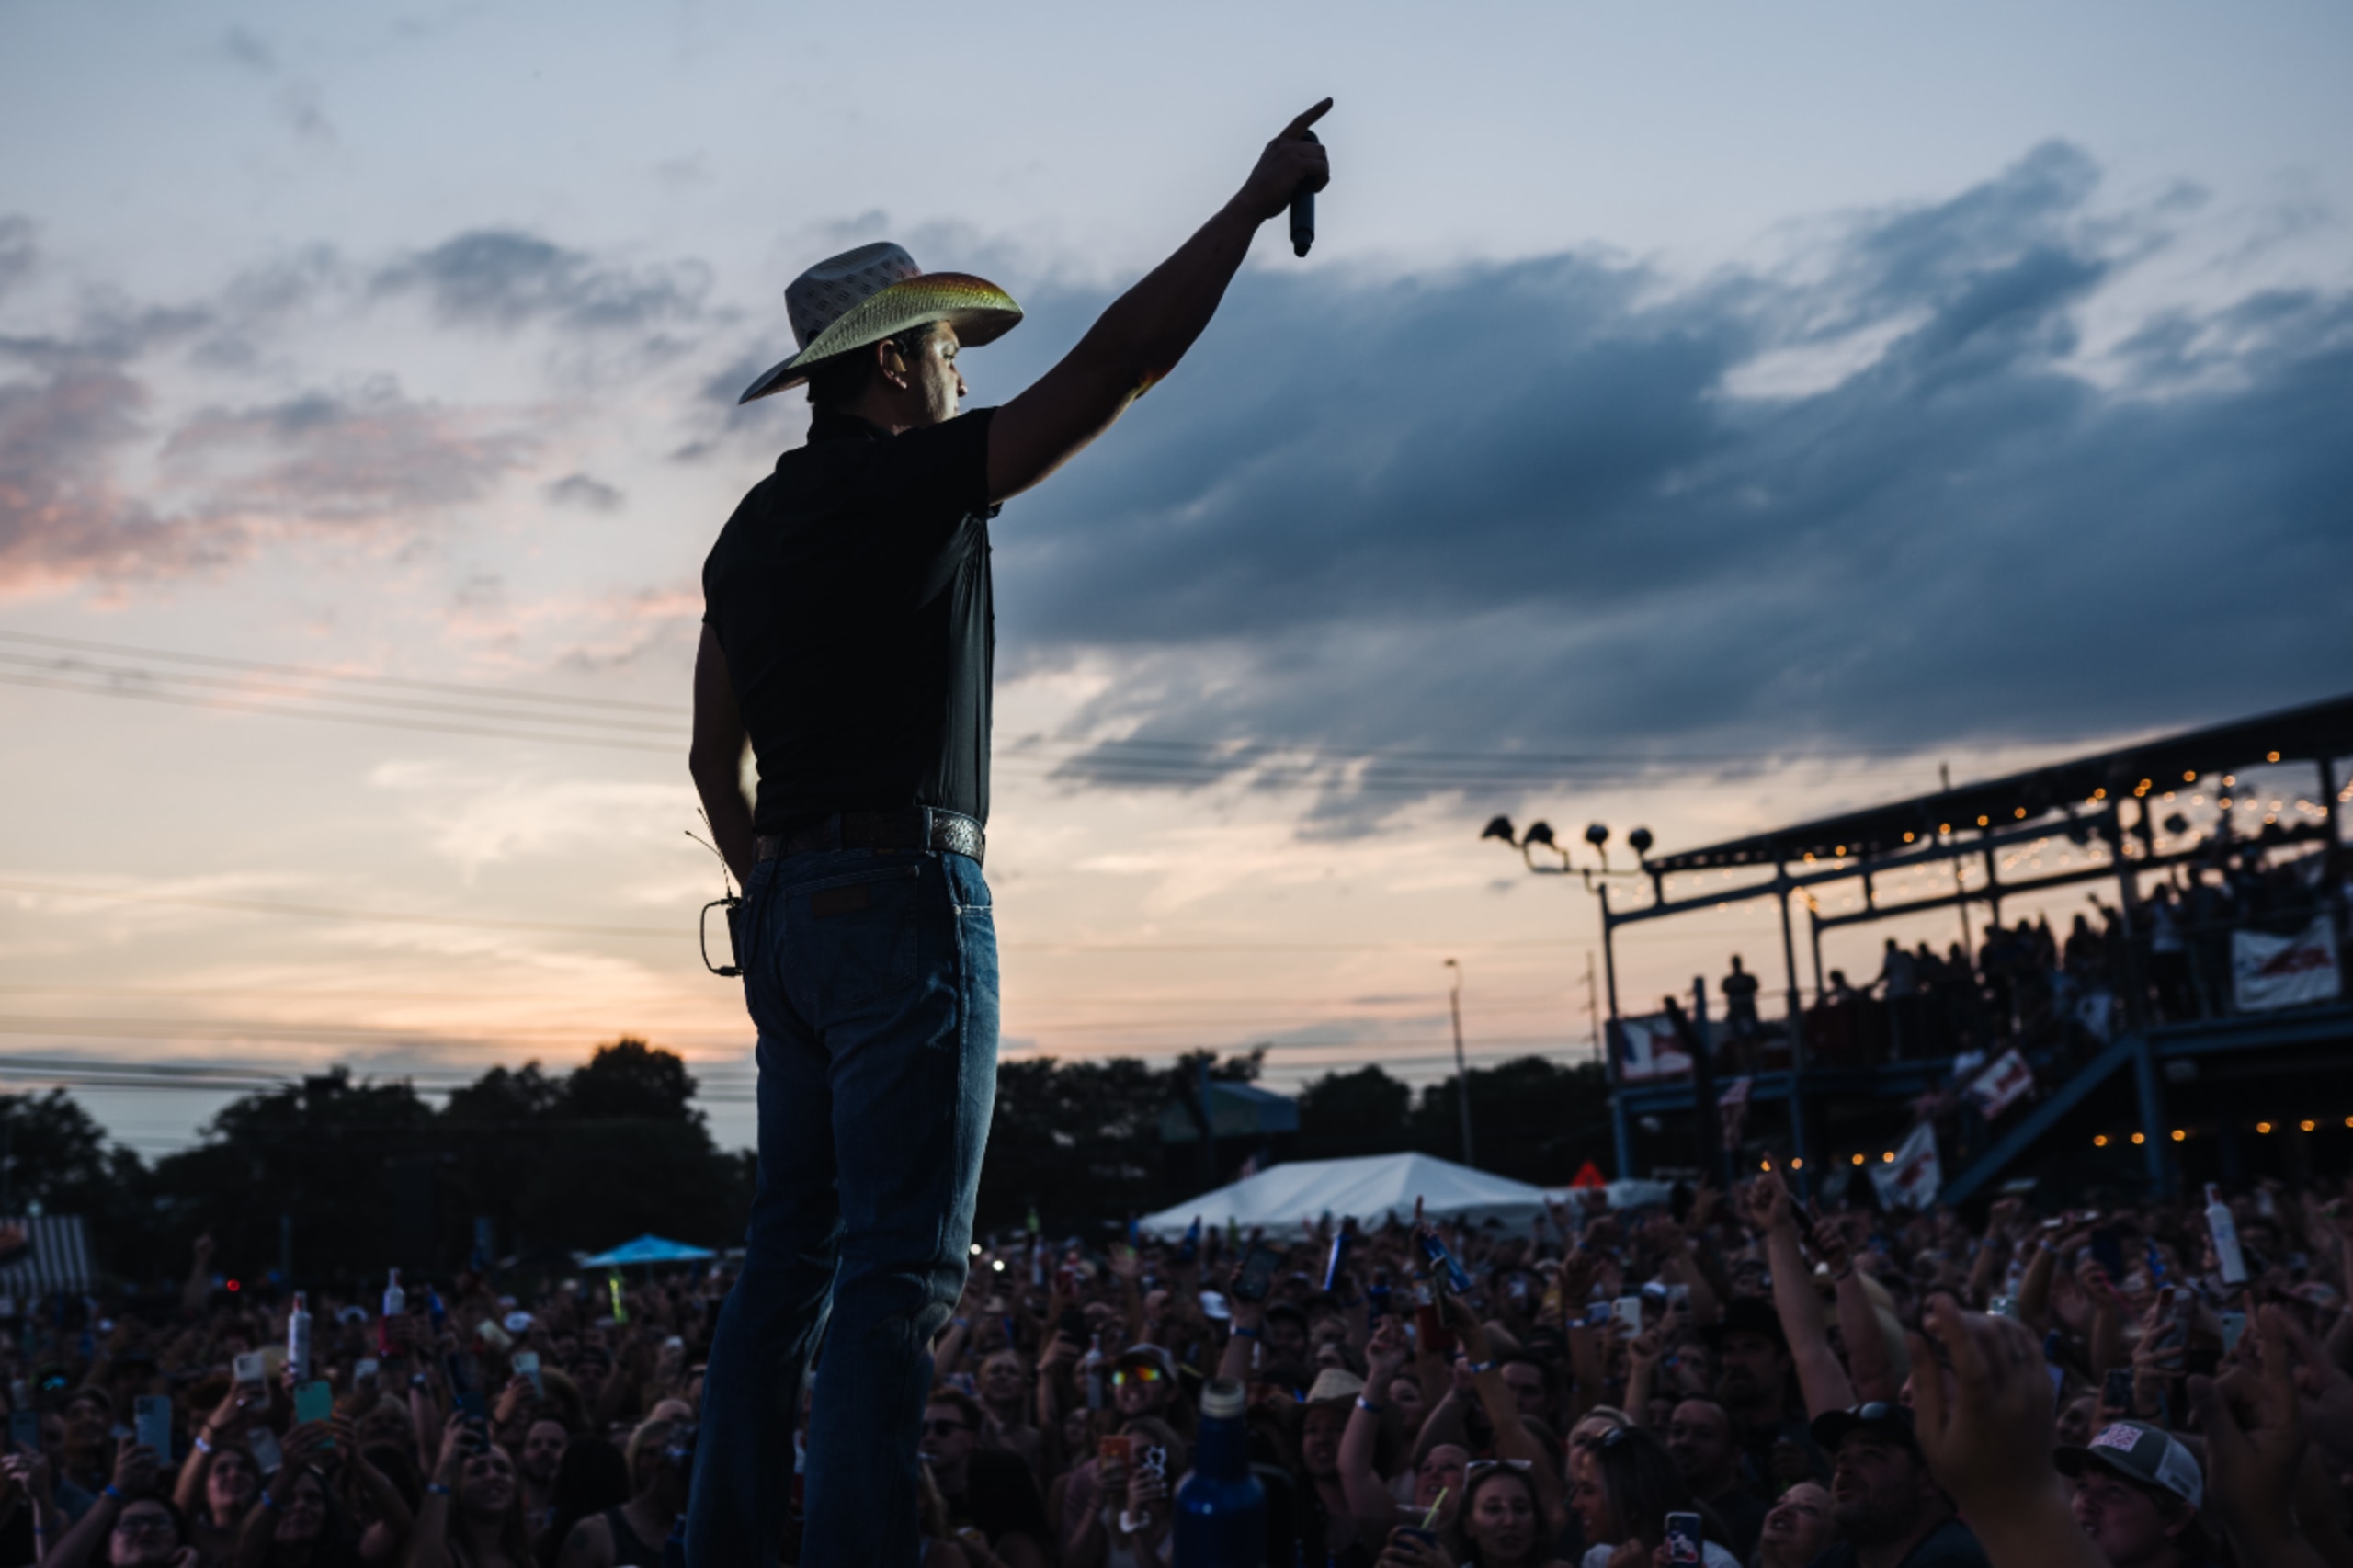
847 635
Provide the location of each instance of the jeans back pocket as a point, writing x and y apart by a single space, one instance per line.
856 936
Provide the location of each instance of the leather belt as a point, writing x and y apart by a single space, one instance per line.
917 827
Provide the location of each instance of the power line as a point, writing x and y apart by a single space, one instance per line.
332 912
685 932
74 666
182 699
1131 761
462 688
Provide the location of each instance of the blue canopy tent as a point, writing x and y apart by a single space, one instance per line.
648 1249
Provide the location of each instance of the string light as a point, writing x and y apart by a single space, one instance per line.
2263 1127
2306 1125
2139 1138
2271 757
2178 1135
2099 1140
1888 1158
2348 1121
1797 1164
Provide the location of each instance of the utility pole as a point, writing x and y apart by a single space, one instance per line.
1461 1067
1593 1003
1944 777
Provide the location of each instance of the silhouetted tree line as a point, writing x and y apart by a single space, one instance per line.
343 1175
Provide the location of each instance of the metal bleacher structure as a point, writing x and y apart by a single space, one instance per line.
2153 1102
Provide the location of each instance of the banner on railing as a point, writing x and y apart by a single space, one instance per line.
1913 1178
1648 1047
2281 971
2002 1085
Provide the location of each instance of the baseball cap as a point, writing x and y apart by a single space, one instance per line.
1830 1428
1335 1386
2140 1452
1747 1315
1143 1353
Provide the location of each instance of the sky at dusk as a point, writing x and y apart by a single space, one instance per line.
1697 417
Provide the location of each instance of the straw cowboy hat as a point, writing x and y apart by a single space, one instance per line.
863 296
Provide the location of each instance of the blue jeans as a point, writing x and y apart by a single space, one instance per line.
871 975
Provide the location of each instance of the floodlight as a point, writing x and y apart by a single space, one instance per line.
1498 828
1642 840
1537 833
1596 834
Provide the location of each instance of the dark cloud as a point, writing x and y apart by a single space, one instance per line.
249 50
580 490
366 455
504 277
61 515
70 412
1518 506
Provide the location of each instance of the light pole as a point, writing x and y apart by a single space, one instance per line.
1462 1068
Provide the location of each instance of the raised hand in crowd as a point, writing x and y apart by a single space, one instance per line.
1982 1414
2254 1445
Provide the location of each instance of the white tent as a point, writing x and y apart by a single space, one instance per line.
1369 1190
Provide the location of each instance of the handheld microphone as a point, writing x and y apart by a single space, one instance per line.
1303 213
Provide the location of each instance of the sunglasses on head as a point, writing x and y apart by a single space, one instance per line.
1481 1467
1135 1375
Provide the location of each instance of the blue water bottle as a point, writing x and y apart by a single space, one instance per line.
1221 1508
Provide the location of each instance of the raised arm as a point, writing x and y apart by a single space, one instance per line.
1870 1366
1513 1440
1821 1379
1385 1357
715 759
1147 329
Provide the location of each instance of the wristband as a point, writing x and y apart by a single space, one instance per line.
203 1444
1128 1525
438 1490
1365 1404
112 1490
267 1501
1476 1367
964 1324
1248 1334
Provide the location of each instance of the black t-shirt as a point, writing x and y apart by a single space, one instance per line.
1950 1545
1742 1513
850 593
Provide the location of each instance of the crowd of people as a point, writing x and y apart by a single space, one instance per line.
1767 1384
2029 984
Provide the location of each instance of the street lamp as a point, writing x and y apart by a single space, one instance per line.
1461 1067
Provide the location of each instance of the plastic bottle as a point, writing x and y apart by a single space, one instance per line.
298 1338
395 1305
2225 1232
1221 1508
